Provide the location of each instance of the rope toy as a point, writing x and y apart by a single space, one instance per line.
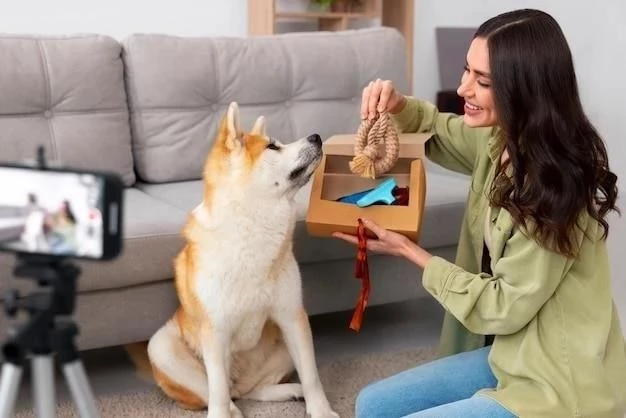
367 161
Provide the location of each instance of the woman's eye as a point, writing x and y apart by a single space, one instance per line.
482 84
273 146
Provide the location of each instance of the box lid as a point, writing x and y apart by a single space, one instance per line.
411 144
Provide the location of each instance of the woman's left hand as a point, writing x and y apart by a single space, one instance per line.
386 242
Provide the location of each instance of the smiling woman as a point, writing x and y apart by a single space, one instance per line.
531 328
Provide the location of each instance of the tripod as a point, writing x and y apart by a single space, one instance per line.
49 330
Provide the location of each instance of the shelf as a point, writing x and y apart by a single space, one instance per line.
326 15
263 15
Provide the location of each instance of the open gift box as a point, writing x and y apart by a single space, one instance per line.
333 180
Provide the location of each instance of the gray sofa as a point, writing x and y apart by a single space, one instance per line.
147 108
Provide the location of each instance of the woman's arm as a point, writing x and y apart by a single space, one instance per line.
523 279
454 146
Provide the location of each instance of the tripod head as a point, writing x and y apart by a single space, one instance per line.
39 335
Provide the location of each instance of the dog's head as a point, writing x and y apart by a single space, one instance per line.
255 164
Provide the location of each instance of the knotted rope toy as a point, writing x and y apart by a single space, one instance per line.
367 161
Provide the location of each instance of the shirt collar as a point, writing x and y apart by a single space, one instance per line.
495 147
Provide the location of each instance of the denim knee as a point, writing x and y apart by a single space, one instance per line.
377 400
367 402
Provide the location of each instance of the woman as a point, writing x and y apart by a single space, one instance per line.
63 238
531 329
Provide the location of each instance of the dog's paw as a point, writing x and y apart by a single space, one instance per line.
321 409
234 411
217 413
295 391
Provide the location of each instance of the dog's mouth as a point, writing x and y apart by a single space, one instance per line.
298 172
302 173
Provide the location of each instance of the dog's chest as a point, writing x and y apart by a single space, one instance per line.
239 299
247 329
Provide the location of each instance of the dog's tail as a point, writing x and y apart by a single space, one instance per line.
138 355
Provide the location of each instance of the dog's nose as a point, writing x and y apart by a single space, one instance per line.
315 139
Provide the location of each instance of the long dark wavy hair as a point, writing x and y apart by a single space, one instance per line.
559 161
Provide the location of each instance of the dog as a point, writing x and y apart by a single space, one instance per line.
241 329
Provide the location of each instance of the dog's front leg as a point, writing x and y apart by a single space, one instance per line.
217 358
296 329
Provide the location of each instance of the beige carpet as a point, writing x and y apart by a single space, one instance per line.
342 381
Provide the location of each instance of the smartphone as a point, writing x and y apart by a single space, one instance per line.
60 212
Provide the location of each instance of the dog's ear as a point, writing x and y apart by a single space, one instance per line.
259 126
231 128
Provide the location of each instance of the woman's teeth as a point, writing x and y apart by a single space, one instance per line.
471 106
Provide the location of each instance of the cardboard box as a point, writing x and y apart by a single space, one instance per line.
333 179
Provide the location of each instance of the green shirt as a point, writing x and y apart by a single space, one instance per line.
558 350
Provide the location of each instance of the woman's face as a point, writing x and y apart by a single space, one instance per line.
475 86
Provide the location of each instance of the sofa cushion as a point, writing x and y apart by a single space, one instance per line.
179 89
68 94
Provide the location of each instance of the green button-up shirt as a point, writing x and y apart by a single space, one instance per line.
558 350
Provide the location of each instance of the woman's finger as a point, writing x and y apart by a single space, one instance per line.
374 98
346 237
374 227
385 95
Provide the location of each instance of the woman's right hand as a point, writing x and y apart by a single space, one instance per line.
378 96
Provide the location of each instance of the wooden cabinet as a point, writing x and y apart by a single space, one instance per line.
264 15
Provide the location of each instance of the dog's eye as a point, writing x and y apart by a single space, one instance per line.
273 146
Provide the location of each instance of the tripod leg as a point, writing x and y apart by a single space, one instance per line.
43 385
81 391
9 386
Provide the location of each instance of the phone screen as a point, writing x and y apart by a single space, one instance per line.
52 212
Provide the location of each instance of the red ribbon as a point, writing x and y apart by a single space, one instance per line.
361 272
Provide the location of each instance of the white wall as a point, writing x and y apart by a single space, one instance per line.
118 18
596 35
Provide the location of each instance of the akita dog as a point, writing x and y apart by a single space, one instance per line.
241 325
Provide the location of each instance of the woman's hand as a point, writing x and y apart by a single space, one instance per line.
386 242
378 96
389 242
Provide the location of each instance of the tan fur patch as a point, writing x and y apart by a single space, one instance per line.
183 396
255 145
190 316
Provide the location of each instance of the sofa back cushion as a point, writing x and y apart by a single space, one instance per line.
179 89
66 93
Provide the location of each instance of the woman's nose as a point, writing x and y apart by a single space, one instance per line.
464 89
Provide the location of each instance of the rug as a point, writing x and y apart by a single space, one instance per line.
342 380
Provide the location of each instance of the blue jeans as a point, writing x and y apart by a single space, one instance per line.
441 388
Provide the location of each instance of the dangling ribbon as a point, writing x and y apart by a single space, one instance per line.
361 272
